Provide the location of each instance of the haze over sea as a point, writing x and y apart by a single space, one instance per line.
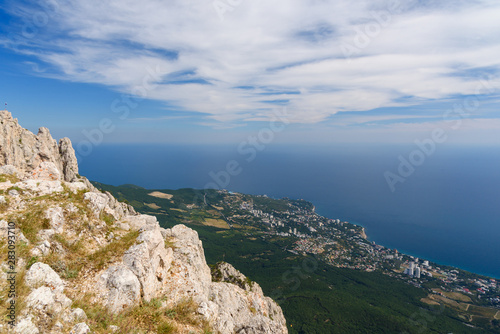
447 211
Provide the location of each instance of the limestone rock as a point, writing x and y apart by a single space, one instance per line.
42 274
25 326
56 218
47 300
68 159
235 307
138 221
80 328
225 272
191 275
105 202
13 193
45 235
46 171
97 201
76 186
150 261
78 314
8 169
120 288
41 187
26 151
237 311
4 232
162 262
42 248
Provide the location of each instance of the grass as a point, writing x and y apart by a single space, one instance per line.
22 291
170 243
147 317
4 206
112 251
7 177
107 218
70 265
33 221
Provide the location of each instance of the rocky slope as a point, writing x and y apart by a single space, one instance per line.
88 263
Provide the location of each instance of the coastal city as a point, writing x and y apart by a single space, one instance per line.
345 245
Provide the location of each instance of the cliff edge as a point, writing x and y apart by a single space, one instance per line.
86 263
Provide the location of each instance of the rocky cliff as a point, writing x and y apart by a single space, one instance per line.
88 263
35 154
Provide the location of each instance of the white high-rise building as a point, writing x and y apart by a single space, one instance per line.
411 268
417 272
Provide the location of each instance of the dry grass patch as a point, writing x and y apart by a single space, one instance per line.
219 223
153 206
429 301
148 317
22 291
112 251
32 221
8 178
455 296
178 210
160 195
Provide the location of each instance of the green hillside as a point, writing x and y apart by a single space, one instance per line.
316 297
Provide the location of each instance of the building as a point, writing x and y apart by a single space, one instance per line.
417 272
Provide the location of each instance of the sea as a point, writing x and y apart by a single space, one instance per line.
443 206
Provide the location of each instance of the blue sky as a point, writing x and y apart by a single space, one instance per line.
220 71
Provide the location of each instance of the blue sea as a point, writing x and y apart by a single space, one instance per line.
447 210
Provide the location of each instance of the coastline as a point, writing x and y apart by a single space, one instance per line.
430 259
433 259
363 233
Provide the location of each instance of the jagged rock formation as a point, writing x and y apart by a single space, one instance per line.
40 154
86 251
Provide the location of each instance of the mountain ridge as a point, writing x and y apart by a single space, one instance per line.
89 263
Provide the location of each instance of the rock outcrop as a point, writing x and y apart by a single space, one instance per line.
40 155
93 252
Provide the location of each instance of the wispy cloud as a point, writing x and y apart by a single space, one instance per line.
269 53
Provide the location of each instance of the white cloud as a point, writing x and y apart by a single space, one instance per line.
201 62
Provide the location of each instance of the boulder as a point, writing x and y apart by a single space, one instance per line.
119 287
25 326
97 201
43 248
8 169
81 328
42 274
42 187
47 300
56 218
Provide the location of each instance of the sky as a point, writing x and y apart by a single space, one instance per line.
220 71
